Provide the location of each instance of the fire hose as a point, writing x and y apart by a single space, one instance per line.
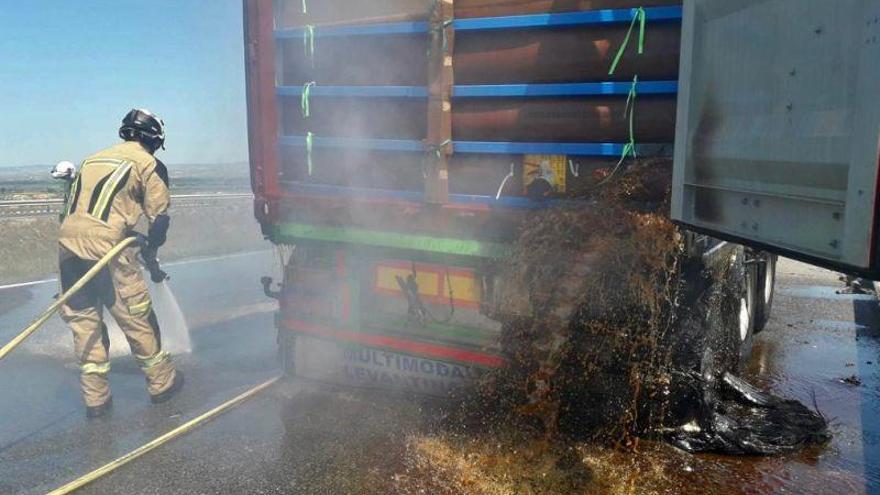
149 260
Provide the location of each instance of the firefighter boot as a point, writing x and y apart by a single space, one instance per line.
96 389
100 411
163 380
171 392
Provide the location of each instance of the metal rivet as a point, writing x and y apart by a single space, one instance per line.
836 215
757 203
755 227
834 243
745 201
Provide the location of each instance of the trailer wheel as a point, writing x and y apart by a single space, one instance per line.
747 320
738 304
765 289
708 337
723 313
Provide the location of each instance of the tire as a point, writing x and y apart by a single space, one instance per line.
706 339
765 283
747 306
728 322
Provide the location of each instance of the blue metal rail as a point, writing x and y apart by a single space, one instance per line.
357 91
504 148
567 19
356 143
477 147
325 190
572 89
490 90
592 17
392 28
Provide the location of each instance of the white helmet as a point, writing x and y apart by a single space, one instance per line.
64 170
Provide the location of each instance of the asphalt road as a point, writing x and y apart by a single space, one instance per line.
276 443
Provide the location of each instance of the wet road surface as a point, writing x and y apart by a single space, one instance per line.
277 442
45 440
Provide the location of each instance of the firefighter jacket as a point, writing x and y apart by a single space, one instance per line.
112 190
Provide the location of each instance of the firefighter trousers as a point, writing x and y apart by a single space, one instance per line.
121 288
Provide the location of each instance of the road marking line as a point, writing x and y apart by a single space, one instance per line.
28 284
174 263
840 325
217 258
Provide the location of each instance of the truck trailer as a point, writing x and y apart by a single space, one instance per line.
398 146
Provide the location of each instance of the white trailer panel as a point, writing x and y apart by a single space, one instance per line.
778 132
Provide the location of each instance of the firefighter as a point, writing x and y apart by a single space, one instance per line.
64 171
110 193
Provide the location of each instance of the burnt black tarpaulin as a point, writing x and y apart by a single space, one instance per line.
739 419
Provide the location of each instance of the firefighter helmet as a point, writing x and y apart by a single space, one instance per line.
143 126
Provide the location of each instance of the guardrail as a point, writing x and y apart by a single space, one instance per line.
49 207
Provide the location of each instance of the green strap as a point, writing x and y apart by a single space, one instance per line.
435 152
440 31
304 102
638 16
309 143
438 150
443 27
309 42
630 148
305 7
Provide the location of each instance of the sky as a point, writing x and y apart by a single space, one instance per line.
71 69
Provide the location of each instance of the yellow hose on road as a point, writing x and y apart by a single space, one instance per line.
20 338
171 435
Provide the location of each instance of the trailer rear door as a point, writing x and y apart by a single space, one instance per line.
778 131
